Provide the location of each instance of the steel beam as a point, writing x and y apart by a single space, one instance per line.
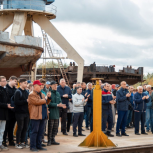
5 21
48 27
28 29
18 24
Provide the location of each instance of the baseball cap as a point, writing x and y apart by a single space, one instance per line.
28 81
116 85
48 82
127 85
53 82
37 82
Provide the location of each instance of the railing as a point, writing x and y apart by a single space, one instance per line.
29 4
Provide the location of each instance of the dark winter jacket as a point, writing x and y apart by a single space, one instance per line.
3 104
121 99
63 91
10 92
20 101
106 98
139 104
89 102
55 100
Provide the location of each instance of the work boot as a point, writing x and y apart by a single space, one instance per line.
124 134
118 135
144 133
53 142
74 134
64 133
81 134
109 134
11 143
49 143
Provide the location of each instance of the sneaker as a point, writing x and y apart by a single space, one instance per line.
44 141
4 144
18 146
3 147
27 146
24 145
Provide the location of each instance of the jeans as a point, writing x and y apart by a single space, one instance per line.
148 118
77 121
91 123
107 117
22 122
88 116
2 128
152 120
37 130
129 117
63 114
121 121
139 116
28 132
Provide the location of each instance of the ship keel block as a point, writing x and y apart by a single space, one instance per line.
49 28
97 139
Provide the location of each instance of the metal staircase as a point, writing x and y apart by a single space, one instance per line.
51 54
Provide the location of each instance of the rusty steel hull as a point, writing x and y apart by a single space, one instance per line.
16 59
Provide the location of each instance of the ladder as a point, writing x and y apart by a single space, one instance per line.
50 52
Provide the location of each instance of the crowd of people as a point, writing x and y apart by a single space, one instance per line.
32 109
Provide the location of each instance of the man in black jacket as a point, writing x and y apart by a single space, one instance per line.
10 123
21 113
65 93
3 109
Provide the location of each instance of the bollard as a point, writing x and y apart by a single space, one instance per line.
97 138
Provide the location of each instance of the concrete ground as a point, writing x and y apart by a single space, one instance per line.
70 143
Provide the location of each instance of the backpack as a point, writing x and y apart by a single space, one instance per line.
12 98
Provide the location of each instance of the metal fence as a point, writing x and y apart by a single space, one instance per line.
29 4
